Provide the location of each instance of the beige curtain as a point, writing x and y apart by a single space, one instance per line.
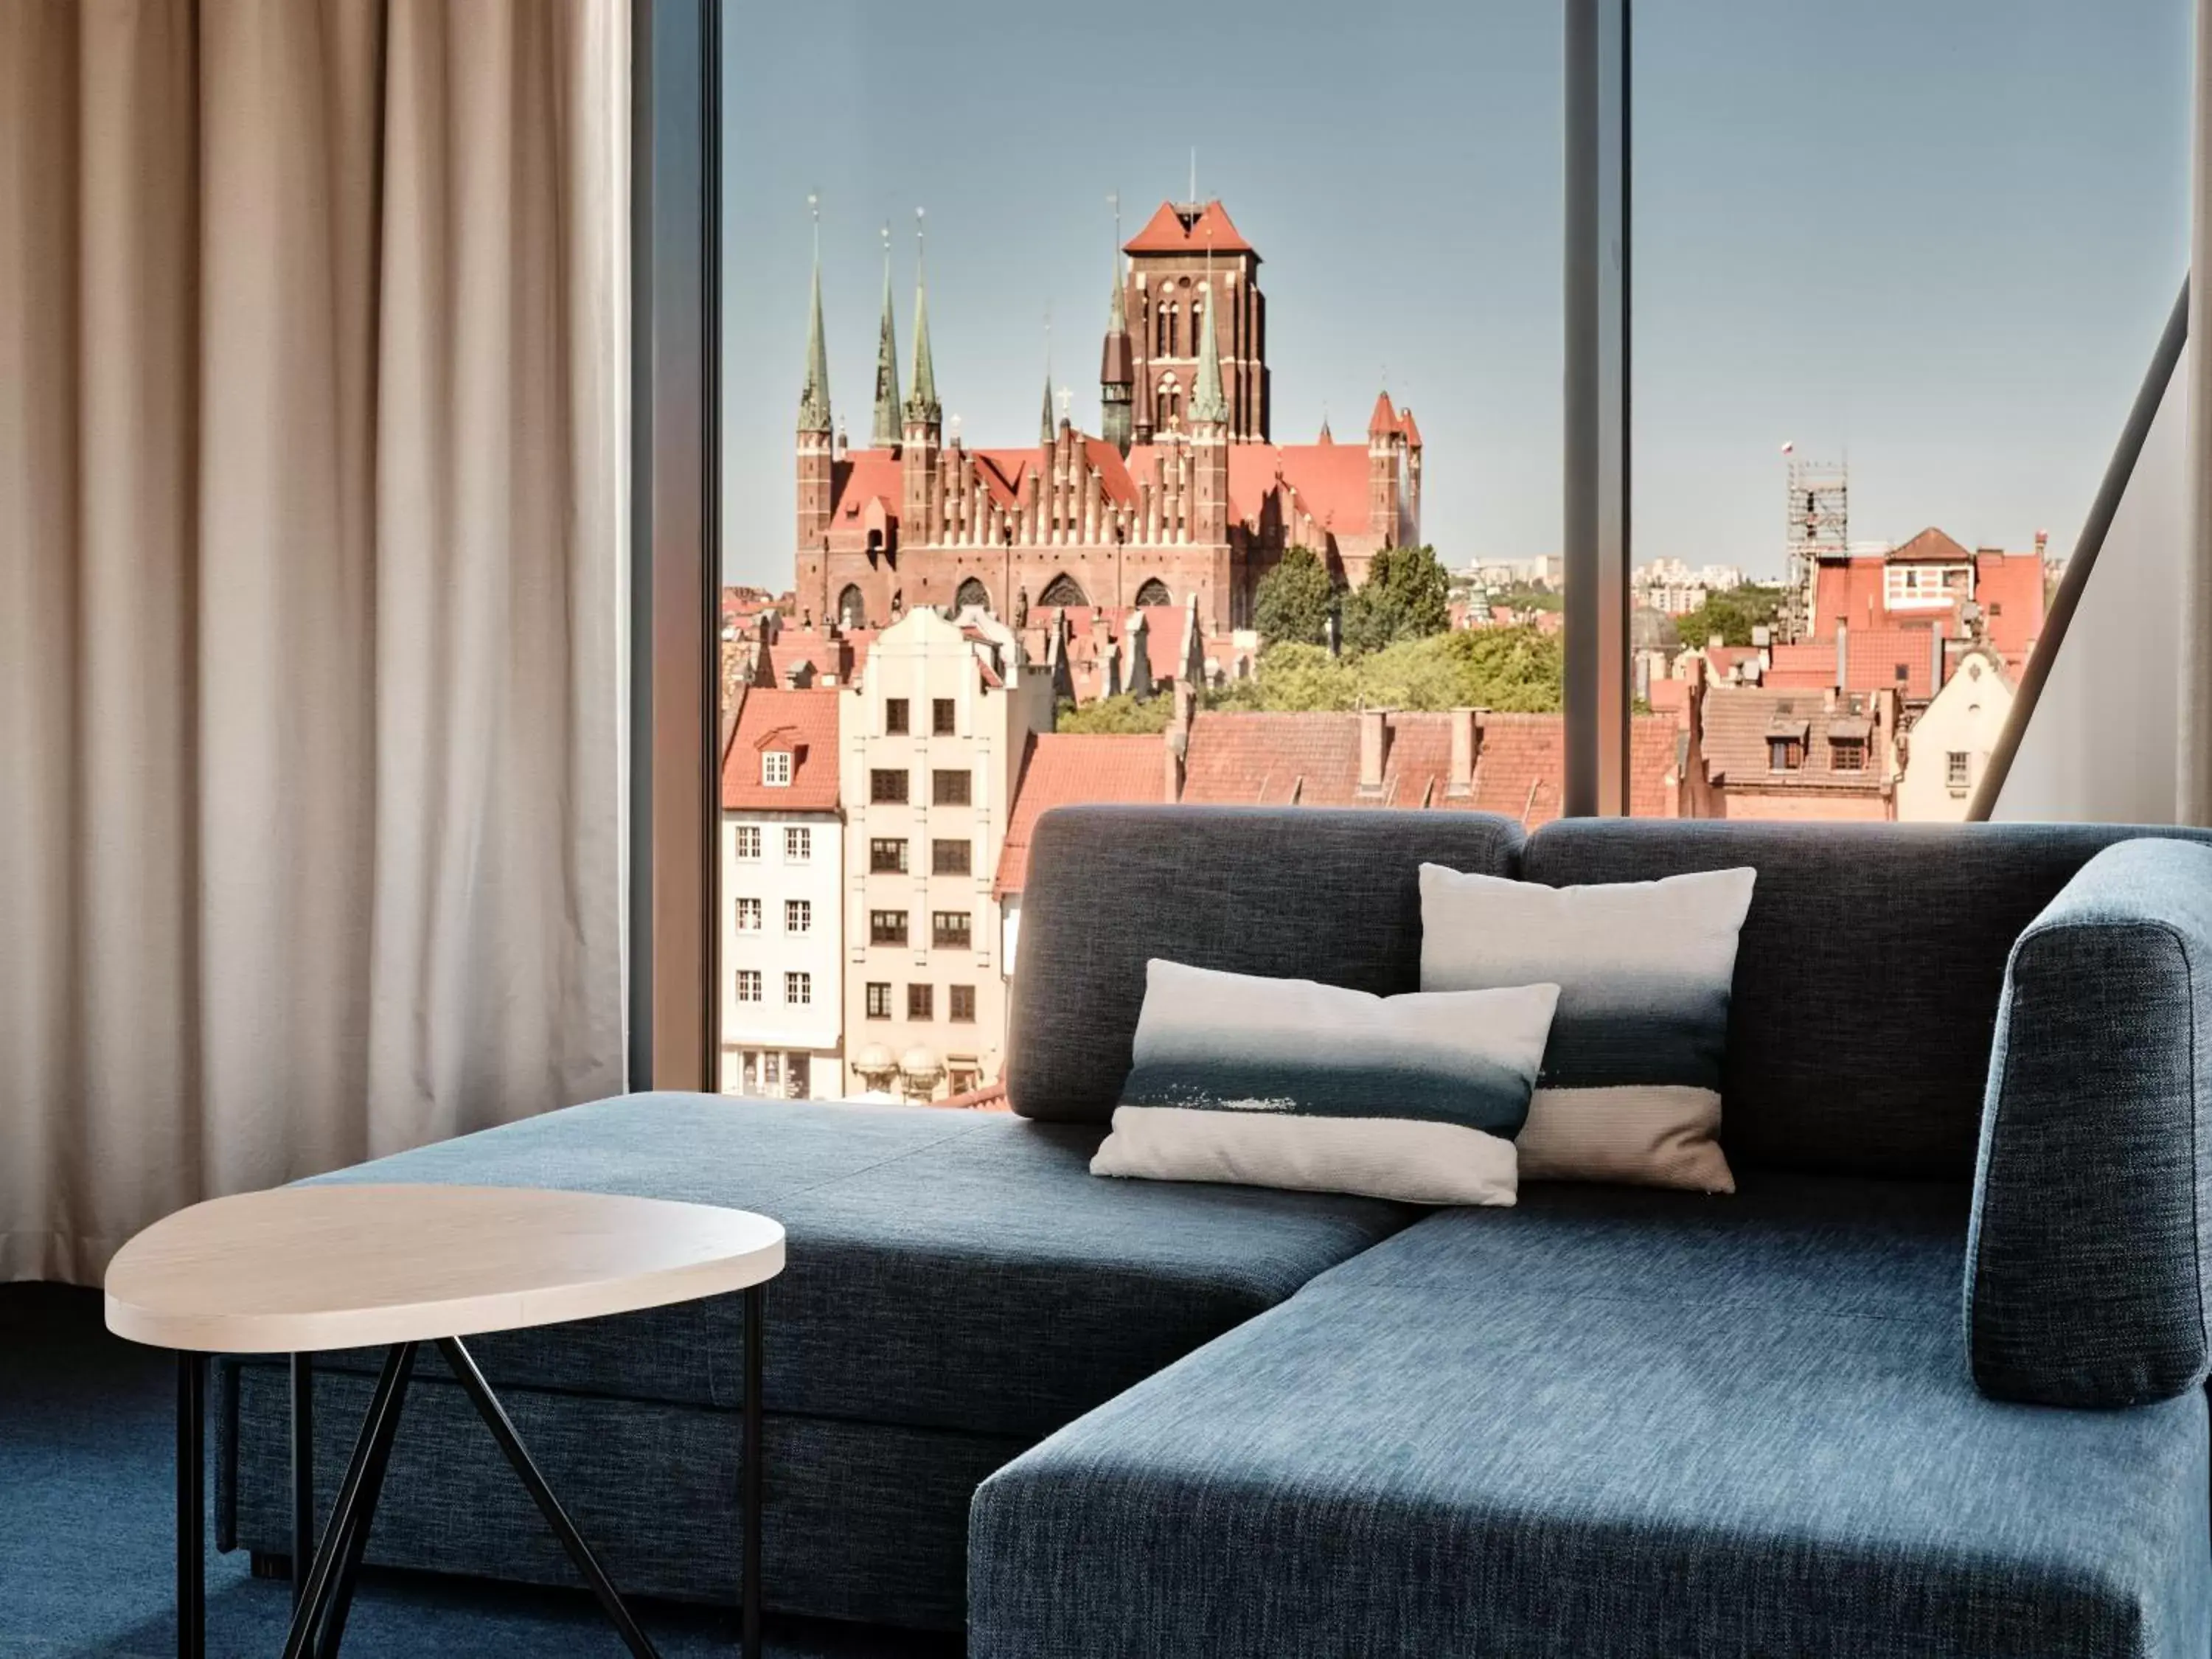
311 328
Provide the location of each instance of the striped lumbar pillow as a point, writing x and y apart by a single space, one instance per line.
1631 1086
1285 1083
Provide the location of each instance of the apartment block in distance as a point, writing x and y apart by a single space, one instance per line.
782 851
933 739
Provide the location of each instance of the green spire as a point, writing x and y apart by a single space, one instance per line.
1045 429
922 405
814 395
1117 319
886 434
1207 402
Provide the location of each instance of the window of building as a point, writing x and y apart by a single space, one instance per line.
919 1002
775 768
749 915
1926 586
887 855
948 858
797 844
1954 769
948 929
960 1080
894 716
963 1000
798 989
749 841
886 784
886 926
941 714
878 999
949 788
1847 753
798 915
748 985
1785 754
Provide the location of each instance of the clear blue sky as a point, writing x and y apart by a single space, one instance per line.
1940 238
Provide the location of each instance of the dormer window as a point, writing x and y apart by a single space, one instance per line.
1785 754
1847 753
775 768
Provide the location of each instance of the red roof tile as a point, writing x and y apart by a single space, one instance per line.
1071 769
1384 421
804 724
1165 232
1876 657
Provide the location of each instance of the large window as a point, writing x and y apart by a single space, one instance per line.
1881 357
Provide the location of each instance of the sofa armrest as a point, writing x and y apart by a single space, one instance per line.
2086 1262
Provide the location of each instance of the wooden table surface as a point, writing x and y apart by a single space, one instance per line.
307 1269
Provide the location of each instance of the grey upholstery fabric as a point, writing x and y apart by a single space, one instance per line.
958 1270
1291 894
863 1520
1628 1423
1867 977
2085 1271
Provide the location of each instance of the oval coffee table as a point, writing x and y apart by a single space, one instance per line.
301 1269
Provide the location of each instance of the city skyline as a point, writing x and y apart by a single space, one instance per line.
2032 262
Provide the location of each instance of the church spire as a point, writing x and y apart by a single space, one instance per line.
814 394
1117 373
1044 422
1207 402
922 405
886 433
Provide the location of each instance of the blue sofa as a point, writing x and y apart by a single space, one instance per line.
1930 1383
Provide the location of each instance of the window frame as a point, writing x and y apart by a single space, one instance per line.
881 792
944 935
883 929
921 1000
880 863
942 789
873 1005
939 865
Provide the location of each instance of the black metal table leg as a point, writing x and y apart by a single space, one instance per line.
502 1430
364 1476
303 1471
750 1472
191 1505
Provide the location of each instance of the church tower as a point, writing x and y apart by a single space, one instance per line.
1167 271
1385 480
1117 372
920 519
815 458
885 434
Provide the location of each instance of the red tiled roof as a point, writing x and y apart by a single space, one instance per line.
1738 721
1165 232
1070 768
1876 655
2009 588
804 723
1313 760
1384 421
844 656
1406 425
1930 544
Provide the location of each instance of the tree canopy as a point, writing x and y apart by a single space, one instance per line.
1406 596
1514 669
1116 716
1732 613
1293 600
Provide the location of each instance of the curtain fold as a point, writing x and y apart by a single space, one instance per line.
312 320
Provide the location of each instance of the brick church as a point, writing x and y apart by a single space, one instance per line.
1184 491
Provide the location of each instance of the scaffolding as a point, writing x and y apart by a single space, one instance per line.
1817 522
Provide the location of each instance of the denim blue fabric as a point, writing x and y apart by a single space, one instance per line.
1867 974
2086 1265
956 1272
862 1520
1615 1422
1292 894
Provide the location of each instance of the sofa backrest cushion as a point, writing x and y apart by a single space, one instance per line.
1867 975
2085 1263
1295 893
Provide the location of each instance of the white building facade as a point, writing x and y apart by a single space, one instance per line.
782 852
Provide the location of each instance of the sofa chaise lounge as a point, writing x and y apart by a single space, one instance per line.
1095 1417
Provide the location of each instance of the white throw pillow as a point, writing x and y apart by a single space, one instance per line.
1286 1083
1631 1087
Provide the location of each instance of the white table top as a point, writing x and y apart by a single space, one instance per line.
312 1268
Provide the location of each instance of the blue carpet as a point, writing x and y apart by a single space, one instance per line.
88 1536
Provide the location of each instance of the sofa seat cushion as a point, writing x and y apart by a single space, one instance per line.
1625 1423
948 1269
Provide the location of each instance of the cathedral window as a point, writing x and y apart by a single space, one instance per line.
1063 590
852 609
972 595
1154 592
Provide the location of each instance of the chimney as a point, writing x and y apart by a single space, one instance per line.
1374 749
1843 656
1466 745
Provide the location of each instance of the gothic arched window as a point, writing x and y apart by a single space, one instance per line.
972 594
852 609
1062 590
1154 592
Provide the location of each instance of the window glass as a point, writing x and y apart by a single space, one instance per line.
798 915
894 716
748 985
747 840
941 717
949 929
887 927
918 1000
949 858
949 788
1882 359
962 1002
749 915
775 768
799 988
798 844
878 999
887 854
886 785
